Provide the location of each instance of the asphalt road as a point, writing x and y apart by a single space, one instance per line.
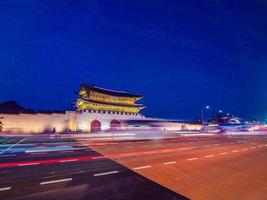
220 167
35 168
217 167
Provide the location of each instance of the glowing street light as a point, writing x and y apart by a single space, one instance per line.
220 111
202 114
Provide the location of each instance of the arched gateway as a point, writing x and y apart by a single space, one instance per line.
115 125
95 126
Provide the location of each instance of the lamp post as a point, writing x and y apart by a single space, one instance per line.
202 114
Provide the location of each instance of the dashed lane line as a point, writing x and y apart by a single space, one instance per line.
142 167
190 159
5 188
106 173
114 172
55 181
209 156
169 163
235 151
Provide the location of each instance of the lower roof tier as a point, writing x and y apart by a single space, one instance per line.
88 105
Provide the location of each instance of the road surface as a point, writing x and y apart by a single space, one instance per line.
211 167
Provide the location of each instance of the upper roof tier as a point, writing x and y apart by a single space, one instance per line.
110 92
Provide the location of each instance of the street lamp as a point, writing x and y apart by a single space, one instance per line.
202 114
220 111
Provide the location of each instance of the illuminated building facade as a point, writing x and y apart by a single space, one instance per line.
97 110
105 109
99 99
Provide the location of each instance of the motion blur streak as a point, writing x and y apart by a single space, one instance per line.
50 161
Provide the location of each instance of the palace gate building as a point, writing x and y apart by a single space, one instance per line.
97 109
102 109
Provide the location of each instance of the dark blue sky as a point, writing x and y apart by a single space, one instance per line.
180 54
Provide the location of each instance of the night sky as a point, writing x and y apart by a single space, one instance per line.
180 54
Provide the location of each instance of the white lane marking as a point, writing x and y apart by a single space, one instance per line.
208 156
5 188
12 146
169 163
28 164
235 151
106 173
7 155
252 147
245 149
142 167
215 144
261 146
55 181
70 160
206 145
189 159
223 153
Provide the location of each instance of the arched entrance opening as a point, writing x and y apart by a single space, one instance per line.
115 125
95 126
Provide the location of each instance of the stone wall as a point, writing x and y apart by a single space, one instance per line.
38 123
